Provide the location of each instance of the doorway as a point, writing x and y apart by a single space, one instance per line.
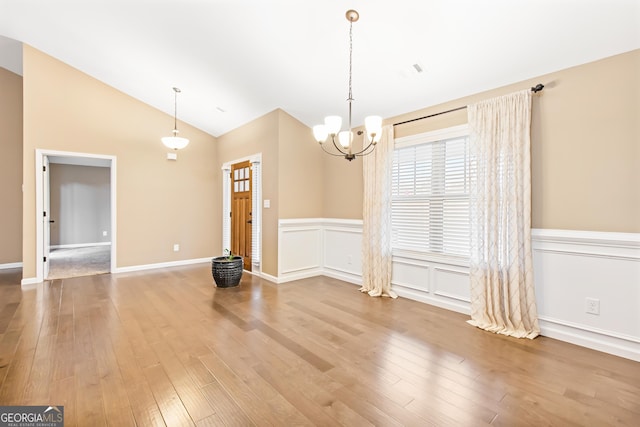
79 225
242 210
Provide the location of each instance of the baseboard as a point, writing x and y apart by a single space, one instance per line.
161 265
34 280
10 265
298 275
270 278
604 341
345 276
427 299
79 245
29 281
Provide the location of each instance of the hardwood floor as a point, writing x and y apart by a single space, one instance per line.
165 347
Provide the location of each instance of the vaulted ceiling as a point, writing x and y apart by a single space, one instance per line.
235 60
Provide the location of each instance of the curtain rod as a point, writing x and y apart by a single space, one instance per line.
535 89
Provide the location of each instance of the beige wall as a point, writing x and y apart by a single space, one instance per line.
585 148
11 167
159 202
260 136
300 180
291 172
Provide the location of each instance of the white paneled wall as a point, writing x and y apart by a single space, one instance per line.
436 281
569 267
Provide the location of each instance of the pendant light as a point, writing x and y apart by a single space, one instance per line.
175 142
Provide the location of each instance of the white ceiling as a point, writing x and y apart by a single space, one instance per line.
249 57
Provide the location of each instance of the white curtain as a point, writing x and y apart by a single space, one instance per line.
376 218
502 289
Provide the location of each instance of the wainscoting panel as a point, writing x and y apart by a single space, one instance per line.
433 280
343 250
299 249
573 266
569 267
452 282
410 274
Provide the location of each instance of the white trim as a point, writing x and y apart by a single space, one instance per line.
80 245
306 222
400 254
593 339
270 278
10 265
40 155
30 281
432 136
624 246
226 207
456 305
551 320
345 276
596 238
162 265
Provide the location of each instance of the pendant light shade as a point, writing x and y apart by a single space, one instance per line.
175 142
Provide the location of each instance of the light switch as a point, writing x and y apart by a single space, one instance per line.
267 203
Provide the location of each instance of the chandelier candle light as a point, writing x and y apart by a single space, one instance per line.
175 142
333 124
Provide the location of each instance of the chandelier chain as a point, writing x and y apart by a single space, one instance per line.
350 99
175 109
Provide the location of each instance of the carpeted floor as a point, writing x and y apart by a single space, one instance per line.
86 261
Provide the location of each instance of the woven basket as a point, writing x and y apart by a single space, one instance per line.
226 272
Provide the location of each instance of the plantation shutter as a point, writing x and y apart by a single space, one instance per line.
430 196
255 208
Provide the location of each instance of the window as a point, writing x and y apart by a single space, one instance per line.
430 192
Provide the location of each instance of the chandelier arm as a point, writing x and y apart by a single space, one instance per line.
333 140
341 154
362 152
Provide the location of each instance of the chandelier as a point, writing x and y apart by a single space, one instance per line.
175 142
333 124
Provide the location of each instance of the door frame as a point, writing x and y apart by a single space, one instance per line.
256 206
84 159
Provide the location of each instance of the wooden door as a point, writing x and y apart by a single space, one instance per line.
241 189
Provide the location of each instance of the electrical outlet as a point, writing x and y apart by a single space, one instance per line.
176 247
104 233
349 260
593 306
